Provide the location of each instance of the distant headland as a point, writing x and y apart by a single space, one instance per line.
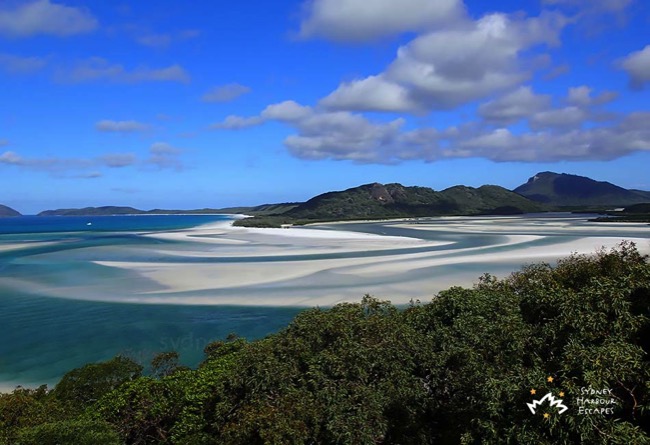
545 191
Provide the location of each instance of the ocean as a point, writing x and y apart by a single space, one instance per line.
76 290
43 336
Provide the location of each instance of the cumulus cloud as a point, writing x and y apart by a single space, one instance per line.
554 133
13 64
514 106
447 68
581 96
233 122
363 20
121 126
44 17
225 93
599 143
637 65
568 117
339 135
98 69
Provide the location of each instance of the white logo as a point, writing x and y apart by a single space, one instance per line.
552 401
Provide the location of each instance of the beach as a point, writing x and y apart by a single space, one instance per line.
325 264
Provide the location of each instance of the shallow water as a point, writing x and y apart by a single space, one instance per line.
59 309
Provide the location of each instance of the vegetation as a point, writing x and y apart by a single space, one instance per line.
459 369
377 201
633 213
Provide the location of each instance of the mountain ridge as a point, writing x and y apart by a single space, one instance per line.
379 201
563 189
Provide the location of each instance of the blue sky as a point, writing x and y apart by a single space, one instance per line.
172 105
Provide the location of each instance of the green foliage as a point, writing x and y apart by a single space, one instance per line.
24 408
84 386
377 201
166 363
459 369
77 432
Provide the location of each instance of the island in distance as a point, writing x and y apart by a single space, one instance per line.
545 191
8 211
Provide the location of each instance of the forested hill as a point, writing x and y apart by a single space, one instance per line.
376 201
573 190
7 211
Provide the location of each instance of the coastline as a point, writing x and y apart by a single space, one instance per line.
316 265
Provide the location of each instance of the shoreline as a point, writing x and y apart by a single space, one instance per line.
320 265
308 266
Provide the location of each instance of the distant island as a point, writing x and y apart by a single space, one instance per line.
543 192
7 211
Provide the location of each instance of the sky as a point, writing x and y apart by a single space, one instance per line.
170 104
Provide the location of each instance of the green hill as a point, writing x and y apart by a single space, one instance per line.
572 190
378 201
7 211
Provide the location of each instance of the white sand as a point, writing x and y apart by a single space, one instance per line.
395 276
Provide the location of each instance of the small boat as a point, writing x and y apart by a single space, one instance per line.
89 224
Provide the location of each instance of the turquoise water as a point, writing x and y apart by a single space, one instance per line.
42 337
61 308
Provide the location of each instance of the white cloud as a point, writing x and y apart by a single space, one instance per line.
20 65
11 158
118 160
44 17
165 156
287 111
567 117
447 68
121 126
630 135
327 135
514 106
637 65
581 96
98 69
363 20
237 123
52 164
225 93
